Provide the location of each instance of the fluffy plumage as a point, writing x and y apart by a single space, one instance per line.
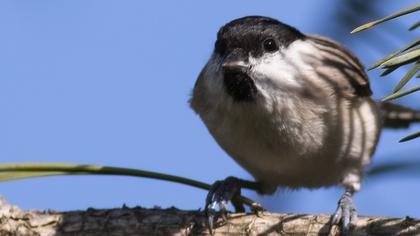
311 122
292 109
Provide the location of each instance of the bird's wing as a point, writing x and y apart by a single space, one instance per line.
348 72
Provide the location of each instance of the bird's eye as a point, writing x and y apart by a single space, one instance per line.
270 45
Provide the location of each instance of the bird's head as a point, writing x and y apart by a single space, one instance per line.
250 54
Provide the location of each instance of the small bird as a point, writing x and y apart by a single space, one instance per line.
294 110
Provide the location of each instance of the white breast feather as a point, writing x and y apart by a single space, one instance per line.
283 138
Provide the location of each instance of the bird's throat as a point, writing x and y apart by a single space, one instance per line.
240 86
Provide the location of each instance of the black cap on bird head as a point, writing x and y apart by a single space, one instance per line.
250 32
244 37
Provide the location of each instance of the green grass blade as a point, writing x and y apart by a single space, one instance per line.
402 59
14 171
410 73
415 26
69 169
388 70
390 17
410 137
410 45
7 176
400 94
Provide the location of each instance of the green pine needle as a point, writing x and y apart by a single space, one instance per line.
415 26
395 15
410 137
409 46
14 171
388 70
403 56
400 94
413 70
402 59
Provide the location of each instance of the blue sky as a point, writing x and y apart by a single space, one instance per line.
107 83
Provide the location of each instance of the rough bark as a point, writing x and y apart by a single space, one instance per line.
140 221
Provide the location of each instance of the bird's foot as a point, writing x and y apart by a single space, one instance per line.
221 192
346 214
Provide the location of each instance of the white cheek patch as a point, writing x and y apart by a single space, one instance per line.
272 69
283 68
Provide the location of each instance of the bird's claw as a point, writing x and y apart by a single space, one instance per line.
345 214
219 196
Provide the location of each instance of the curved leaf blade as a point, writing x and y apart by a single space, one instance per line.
402 59
29 170
390 17
401 93
407 77
14 171
410 45
414 26
14 175
410 137
388 70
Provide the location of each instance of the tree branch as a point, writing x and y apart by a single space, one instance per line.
171 221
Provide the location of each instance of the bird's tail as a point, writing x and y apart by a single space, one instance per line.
397 116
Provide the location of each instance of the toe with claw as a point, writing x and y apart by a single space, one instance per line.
219 196
346 214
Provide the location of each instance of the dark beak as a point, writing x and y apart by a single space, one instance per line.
236 61
236 79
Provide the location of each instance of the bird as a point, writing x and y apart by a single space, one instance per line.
293 109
